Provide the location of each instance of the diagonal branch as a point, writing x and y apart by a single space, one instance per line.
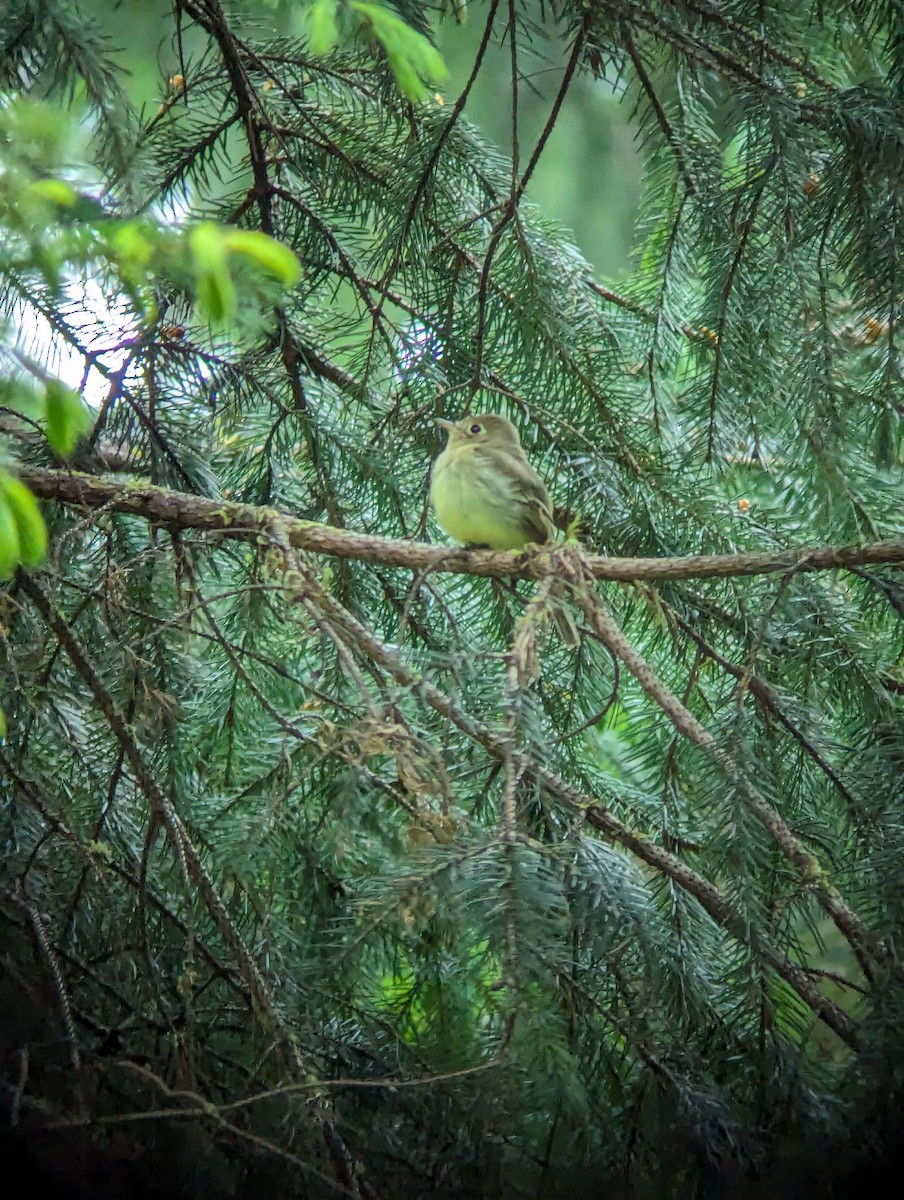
302 584
811 872
767 696
161 807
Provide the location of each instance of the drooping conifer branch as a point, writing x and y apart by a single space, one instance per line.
811 872
302 583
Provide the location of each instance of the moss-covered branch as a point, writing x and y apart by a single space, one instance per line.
249 522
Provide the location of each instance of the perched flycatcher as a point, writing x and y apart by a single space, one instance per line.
483 489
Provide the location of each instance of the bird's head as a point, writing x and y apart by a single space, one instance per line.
486 430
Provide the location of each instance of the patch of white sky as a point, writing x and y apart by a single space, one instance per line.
101 321
102 327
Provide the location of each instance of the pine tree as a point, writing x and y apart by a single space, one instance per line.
329 866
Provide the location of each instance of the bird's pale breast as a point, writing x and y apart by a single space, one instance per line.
476 503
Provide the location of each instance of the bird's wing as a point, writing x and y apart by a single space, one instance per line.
527 490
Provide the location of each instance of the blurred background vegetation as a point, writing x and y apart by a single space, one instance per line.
589 177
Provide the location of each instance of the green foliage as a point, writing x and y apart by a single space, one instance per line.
67 418
323 30
51 232
23 535
413 61
363 867
412 58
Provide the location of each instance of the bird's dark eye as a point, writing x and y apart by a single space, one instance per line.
475 429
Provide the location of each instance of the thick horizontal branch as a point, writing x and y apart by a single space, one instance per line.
250 522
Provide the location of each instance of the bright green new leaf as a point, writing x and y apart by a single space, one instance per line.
10 550
133 246
321 26
56 191
413 60
275 258
208 246
67 417
30 527
215 295
38 131
214 290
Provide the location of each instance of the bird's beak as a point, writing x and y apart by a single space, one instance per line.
447 425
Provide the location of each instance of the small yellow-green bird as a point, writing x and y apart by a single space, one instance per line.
484 491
